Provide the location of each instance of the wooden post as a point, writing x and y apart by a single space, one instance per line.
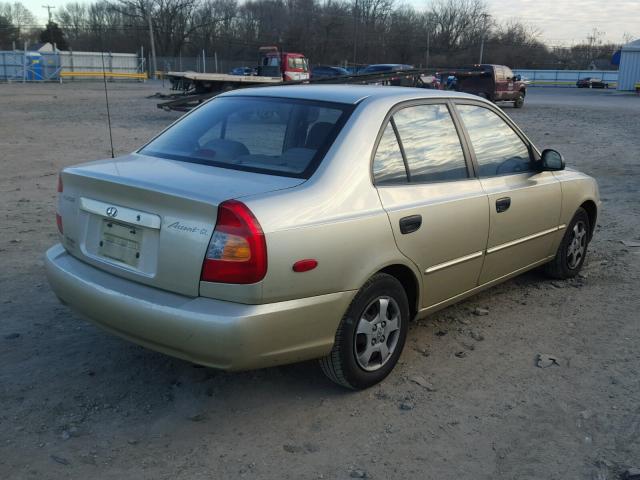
24 64
111 66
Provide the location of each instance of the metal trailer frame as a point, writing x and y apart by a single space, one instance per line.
195 88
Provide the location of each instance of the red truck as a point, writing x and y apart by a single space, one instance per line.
497 83
290 66
274 68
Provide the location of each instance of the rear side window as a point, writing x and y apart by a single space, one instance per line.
508 73
499 150
277 136
431 144
388 165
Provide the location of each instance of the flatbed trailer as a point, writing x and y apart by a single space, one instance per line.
192 88
207 82
195 87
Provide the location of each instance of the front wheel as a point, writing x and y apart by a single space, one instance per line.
572 251
519 101
371 336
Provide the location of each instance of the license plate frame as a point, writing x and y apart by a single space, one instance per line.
120 242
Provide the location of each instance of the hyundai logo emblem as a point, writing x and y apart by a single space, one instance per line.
112 211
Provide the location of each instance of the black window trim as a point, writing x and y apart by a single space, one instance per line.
471 172
534 154
346 108
407 170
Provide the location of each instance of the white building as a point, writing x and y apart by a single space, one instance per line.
629 73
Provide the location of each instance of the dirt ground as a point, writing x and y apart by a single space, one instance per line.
77 403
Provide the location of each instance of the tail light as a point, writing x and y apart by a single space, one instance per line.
58 217
237 251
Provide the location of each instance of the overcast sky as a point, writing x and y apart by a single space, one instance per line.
560 22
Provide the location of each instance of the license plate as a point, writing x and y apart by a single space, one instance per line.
120 242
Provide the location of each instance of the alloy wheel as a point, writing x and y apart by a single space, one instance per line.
577 245
377 333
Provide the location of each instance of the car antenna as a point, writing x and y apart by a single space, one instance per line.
106 98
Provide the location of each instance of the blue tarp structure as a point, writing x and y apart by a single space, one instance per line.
615 59
16 66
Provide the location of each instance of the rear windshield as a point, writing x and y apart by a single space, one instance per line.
378 68
278 136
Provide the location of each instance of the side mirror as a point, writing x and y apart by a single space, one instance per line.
551 160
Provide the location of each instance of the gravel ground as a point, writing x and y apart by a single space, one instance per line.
467 400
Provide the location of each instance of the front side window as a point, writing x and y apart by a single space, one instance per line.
499 150
277 136
431 144
298 63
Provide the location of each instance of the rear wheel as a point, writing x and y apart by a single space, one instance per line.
519 101
371 336
572 251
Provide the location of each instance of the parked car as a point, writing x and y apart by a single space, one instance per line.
432 81
496 83
385 67
243 71
322 71
355 68
239 239
388 67
591 82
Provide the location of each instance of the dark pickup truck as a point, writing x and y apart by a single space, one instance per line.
493 82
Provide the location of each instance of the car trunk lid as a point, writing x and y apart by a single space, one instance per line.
150 219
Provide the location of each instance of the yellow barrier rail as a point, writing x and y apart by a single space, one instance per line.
139 76
562 82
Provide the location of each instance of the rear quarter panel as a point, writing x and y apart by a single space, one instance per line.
335 217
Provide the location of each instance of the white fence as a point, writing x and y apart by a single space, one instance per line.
93 62
566 78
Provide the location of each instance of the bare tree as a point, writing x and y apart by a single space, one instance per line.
19 20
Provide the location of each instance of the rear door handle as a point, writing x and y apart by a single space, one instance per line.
503 204
410 224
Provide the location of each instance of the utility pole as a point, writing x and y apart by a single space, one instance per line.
49 8
485 16
428 40
355 33
153 45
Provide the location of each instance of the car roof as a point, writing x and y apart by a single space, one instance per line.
350 94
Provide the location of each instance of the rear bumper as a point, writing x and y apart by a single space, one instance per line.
219 334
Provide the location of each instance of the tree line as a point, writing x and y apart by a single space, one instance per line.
445 33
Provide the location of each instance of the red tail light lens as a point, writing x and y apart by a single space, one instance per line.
237 251
58 217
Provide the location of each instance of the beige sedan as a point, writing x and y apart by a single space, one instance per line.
281 224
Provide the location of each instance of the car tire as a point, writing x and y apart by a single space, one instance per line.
357 359
572 251
519 101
